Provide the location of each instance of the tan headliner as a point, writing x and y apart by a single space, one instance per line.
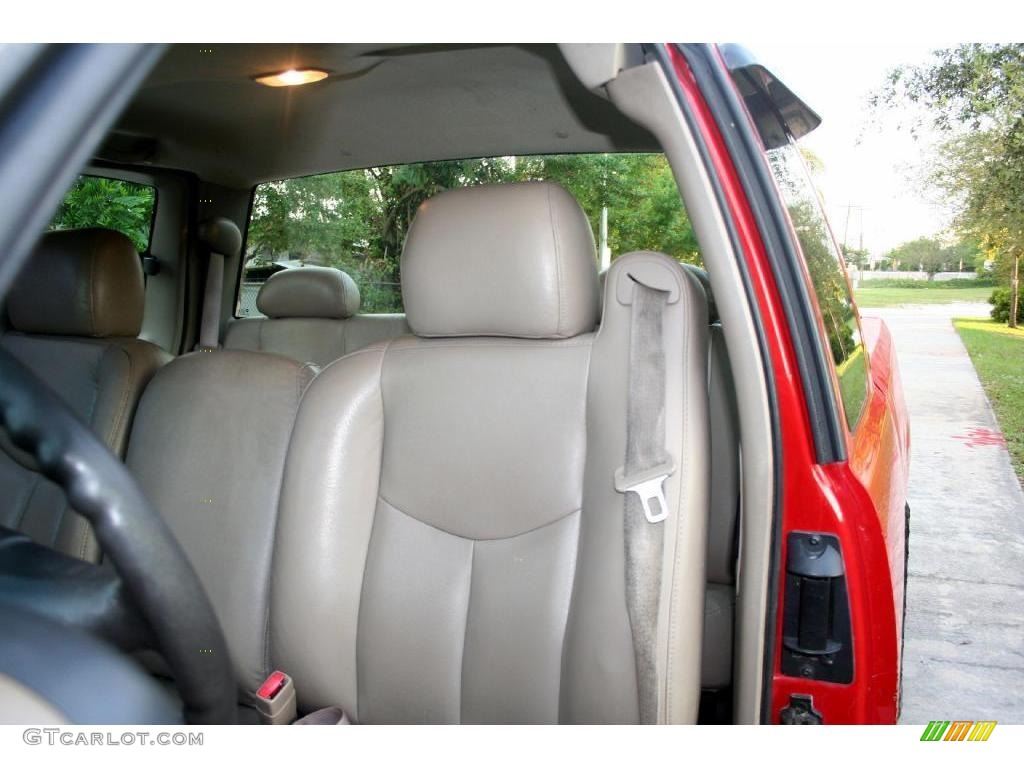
383 104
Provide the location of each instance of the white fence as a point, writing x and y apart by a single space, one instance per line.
880 274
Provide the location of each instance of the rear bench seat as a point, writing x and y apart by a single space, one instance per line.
311 317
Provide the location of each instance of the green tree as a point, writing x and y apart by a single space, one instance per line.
792 168
964 255
974 94
859 257
830 282
639 191
357 220
110 203
924 253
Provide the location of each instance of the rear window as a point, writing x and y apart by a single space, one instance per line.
95 201
357 220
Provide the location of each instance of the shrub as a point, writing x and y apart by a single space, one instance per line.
1000 301
959 282
897 282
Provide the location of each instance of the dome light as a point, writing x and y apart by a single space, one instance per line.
292 77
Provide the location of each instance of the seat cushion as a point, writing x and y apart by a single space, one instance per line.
208 449
101 380
450 544
75 310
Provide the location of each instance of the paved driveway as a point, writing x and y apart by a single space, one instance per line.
965 597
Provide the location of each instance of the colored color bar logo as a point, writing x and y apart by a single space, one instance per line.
958 730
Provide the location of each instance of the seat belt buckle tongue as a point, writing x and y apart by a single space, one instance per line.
649 485
275 699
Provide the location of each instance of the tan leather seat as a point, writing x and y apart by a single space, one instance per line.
723 511
311 316
208 449
450 543
75 312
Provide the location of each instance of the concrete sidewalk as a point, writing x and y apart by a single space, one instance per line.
965 597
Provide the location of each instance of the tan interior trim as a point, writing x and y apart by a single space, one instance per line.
644 94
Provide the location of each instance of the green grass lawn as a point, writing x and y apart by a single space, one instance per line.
853 385
998 356
935 293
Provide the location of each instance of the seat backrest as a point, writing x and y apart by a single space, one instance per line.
311 316
208 449
725 453
450 544
75 311
723 511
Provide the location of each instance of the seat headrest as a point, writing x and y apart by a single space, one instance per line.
80 282
501 260
221 236
309 292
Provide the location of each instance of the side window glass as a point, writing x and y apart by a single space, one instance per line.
95 201
357 220
828 277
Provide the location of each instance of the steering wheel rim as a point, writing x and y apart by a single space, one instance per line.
155 572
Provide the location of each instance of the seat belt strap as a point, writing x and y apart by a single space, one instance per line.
325 716
209 329
647 466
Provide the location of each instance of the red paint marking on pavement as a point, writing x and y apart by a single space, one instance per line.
981 436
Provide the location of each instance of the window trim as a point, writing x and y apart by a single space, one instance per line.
723 100
815 198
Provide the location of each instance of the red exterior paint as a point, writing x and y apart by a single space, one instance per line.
880 451
855 500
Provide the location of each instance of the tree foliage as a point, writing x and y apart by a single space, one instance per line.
858 257
973 95
929 255
357 220
824 263
110 203
924 253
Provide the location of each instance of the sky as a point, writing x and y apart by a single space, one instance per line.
871 167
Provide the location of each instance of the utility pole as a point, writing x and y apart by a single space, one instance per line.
1015 290
846 227
861 211
604 252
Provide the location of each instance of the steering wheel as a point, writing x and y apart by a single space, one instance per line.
157 578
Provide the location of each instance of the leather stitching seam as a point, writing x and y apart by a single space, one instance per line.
560 326
535 528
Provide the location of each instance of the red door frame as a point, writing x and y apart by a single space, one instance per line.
827 498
